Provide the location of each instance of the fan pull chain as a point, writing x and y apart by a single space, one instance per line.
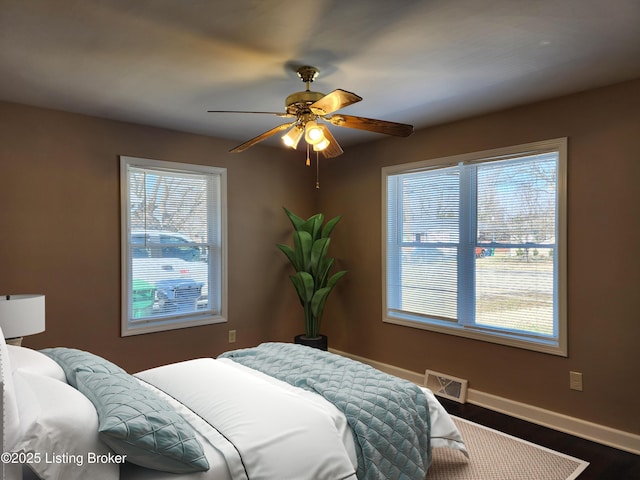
308 161
317 170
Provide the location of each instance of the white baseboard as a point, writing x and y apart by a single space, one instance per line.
612 437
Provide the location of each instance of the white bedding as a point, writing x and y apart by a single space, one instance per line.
272 425
273 428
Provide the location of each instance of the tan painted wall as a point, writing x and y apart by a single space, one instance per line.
60 232
603 128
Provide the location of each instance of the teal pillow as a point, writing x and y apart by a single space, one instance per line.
72 360
134 421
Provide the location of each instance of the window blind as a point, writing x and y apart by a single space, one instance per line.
172 244
473 244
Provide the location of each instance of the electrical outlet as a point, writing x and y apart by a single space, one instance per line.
575 381
232 336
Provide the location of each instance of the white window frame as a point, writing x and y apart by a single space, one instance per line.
217 276
557 345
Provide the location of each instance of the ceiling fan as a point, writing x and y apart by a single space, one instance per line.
308 107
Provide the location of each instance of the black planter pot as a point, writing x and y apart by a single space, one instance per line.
318 342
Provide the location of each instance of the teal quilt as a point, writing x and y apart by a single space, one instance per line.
389 416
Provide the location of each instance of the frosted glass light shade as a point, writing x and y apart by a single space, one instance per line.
321 145
313 133
292 137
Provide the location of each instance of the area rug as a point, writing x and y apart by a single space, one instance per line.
497 456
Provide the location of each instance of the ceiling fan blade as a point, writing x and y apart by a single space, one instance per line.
334 149
371 125
277 114
262 136
334 101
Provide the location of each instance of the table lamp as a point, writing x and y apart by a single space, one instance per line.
21 315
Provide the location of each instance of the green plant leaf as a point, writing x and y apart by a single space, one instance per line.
317 226
317 303
313 225
296 221
320 296
323 272
291 255
318 254
331 224
334 278
304 286
302 243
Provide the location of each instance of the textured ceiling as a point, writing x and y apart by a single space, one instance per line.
166 62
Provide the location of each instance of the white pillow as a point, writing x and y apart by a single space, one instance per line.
10 419
28 360
59 429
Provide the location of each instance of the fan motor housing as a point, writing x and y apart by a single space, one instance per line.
301 100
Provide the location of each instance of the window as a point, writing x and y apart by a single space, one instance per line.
173 245
475 245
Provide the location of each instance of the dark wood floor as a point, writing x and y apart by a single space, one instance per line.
606 463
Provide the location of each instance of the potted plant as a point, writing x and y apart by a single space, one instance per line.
312 279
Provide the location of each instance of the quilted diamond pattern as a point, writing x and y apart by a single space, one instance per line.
134 421
389 416
71 360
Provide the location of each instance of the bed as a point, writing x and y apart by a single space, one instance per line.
259 413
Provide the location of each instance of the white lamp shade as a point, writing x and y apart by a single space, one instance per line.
21 315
